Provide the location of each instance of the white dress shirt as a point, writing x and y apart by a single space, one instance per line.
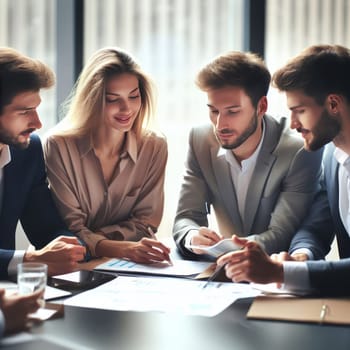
241 175
344 186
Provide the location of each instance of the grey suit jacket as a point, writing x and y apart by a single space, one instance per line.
283 185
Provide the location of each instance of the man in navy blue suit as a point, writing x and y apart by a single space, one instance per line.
24 193
317 86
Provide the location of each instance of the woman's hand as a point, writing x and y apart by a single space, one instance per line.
145 251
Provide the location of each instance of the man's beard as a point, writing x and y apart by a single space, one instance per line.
324 132
249 131
9 139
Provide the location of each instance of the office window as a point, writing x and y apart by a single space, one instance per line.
29 27
293 25
171 39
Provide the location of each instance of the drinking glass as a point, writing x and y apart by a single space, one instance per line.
32 277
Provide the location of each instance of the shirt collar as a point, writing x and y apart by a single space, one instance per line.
85 145
130 146
229 156
5 156
342 157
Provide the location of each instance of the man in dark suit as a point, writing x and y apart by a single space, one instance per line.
24 194
317 86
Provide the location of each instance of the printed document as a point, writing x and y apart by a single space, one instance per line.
177 295
50 292
180 268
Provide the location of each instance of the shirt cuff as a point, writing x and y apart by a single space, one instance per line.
255 238
296 277
17 258
188 238
91 240
2 324
306 251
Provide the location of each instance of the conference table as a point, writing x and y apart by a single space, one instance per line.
89 328
83 328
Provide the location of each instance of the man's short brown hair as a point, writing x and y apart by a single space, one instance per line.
241 69
20 73
318 71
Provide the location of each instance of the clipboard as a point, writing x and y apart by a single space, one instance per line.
296 309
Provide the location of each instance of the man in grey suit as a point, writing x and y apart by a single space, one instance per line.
246 165
317 86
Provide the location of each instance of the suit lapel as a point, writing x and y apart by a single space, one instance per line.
261 172
225 186
331 174
12 184
333 182
12 193
256 188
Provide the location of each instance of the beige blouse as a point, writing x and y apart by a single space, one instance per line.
122 210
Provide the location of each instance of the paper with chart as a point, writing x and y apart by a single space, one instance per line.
180 268
220 248
178 295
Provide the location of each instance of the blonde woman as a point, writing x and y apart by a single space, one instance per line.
105 168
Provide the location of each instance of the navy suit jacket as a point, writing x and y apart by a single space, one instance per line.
26 197
318 230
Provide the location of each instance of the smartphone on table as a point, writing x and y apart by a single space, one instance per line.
80 280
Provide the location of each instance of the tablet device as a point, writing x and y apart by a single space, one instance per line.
80 280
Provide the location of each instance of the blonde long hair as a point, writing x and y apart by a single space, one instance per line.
86 102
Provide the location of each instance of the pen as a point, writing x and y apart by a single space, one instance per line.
153 235
213 275
207 208
323 312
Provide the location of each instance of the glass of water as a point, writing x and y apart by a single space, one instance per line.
32 277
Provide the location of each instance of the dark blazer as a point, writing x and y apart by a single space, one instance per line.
26 197
318 230
282 188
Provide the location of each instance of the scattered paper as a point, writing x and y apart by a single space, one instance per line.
273 288
180 268
128 293
222 247
54 293
50 292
